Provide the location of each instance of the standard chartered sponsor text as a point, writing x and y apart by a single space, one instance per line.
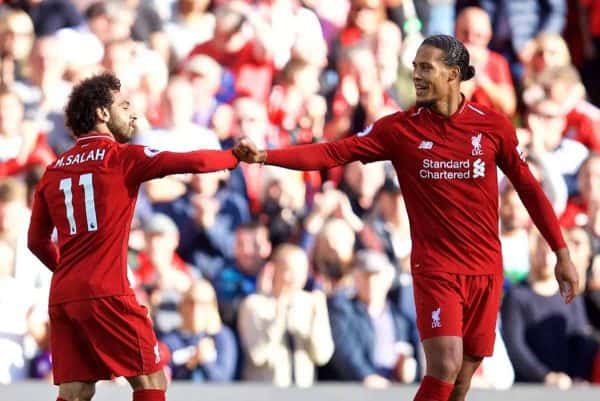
445 170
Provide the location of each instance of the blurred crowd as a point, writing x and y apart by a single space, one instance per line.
287 277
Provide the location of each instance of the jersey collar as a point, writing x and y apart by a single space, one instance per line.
457 114
95 135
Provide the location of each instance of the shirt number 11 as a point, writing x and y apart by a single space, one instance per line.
85 180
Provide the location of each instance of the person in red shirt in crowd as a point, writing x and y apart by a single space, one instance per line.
445 151
159 265
579 208
563 85
245 52
22 146
98 329
493 85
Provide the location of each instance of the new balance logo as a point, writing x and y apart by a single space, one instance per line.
478 168
426 145
435 318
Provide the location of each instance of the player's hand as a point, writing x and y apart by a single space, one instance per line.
558 379
566 275
206 352
375 381
245 150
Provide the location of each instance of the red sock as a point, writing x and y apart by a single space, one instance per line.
596 369
149 395
432 389
60 399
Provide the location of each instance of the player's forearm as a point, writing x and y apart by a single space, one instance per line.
45 250
199 161
308 157
541 212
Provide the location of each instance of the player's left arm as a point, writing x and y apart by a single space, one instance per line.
512 161
143 163
39 236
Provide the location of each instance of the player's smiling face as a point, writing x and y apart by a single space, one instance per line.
430 75
122 118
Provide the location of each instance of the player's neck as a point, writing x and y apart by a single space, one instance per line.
448 105
103 129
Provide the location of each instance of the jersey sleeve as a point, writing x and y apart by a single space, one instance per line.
512 162
143 163
367 146
39 236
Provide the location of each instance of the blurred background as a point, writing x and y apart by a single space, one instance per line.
293 278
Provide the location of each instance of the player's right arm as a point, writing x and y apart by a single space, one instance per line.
142 163
367 146
39 237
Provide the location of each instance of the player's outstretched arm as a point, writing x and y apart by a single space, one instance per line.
39 235
367 146
142 163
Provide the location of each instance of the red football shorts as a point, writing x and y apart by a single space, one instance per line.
460 305
102 338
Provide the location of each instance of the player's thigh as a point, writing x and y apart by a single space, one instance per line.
73 357
80 391
122 336
439 305
483 295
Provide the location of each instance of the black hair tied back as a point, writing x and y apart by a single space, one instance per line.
456 54
468 74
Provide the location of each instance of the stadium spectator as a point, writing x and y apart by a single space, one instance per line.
14 305
49 15
204 74
25 268
286 333
386 226
516 24
563 85
16 41
514 235
592 293
190 25
45 91
161 273
533 309
582 209
332 253
296 32
548 50
492 86
546 121
375 342
22 145
202 348
247 274
242 44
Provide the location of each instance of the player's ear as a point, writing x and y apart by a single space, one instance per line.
454 73
102 114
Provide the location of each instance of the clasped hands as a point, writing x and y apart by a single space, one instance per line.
246 151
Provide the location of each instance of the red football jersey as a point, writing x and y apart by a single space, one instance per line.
447 171
89 195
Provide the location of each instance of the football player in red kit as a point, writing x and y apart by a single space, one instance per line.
445 151
88 194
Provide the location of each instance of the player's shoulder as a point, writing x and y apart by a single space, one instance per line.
486 115
137 150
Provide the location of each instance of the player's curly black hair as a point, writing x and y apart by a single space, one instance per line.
456 54
86 97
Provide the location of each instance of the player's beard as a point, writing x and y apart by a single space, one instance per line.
122 131
425 103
